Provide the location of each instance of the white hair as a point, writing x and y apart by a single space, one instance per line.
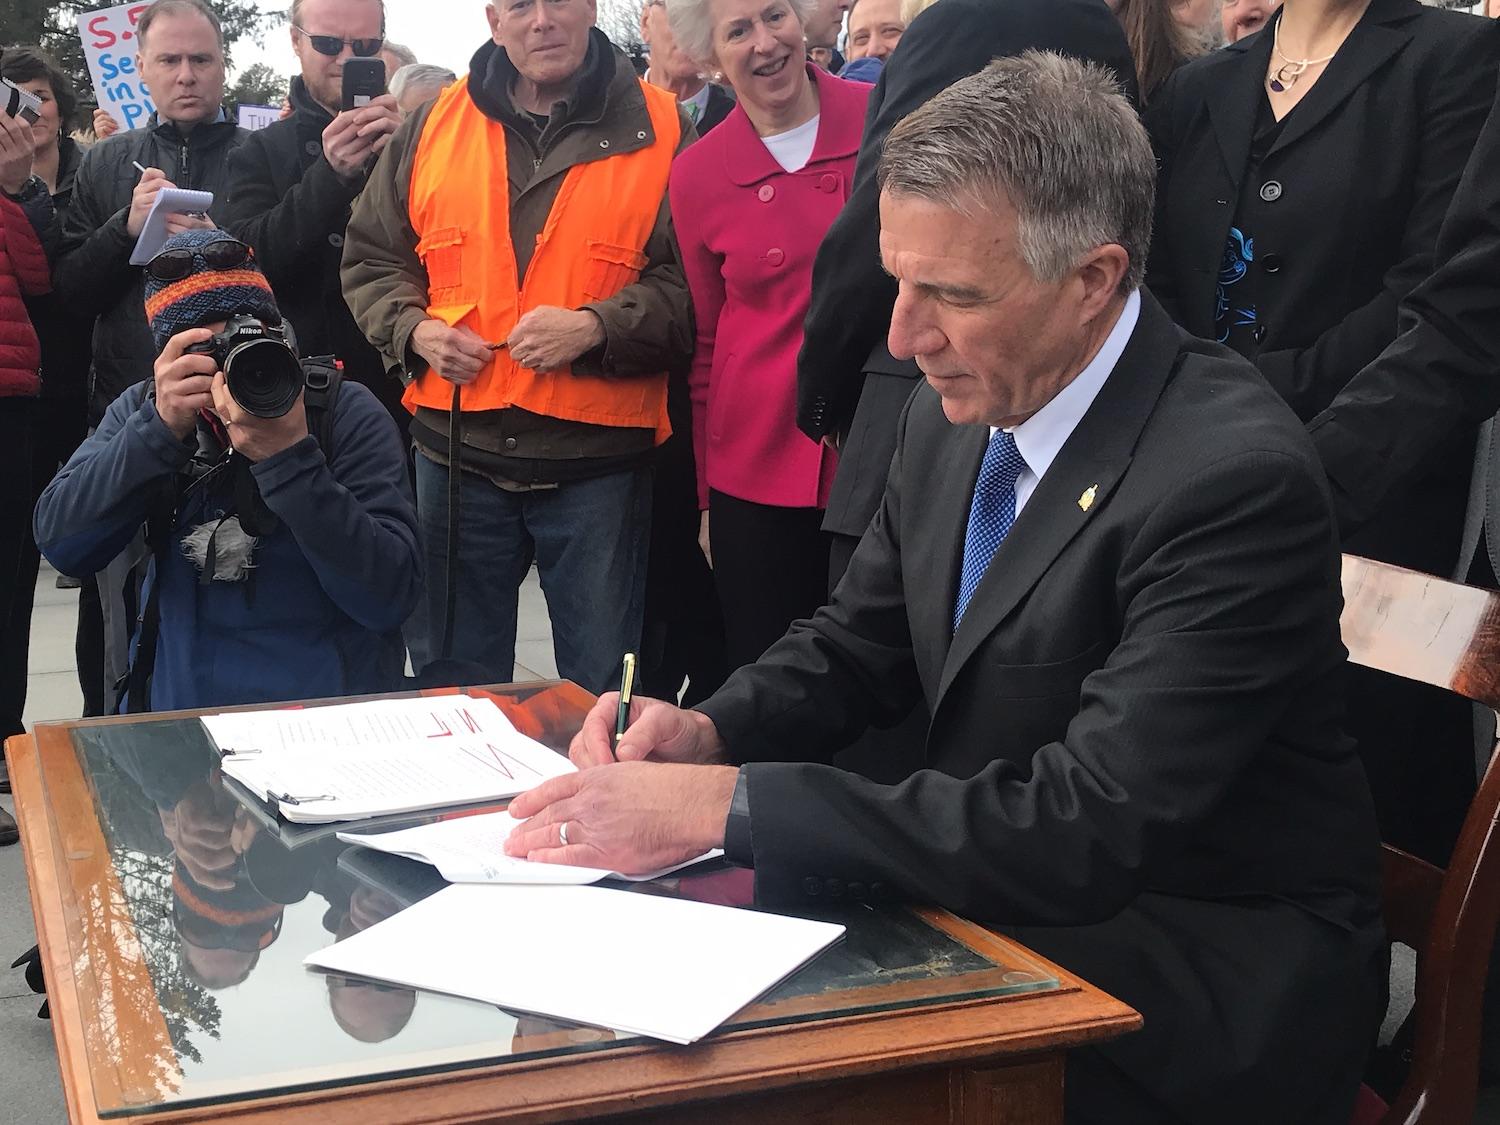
418 75
692 23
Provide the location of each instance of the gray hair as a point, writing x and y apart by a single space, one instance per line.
418 75
1051 136
404 55
692 23
161 8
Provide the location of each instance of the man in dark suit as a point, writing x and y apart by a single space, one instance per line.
1105 558
850 389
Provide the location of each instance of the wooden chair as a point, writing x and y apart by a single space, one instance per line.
1424 628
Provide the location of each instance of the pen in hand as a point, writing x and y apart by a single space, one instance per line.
627 683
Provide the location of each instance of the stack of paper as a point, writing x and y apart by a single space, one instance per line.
168 201
471 849
350 761
638 963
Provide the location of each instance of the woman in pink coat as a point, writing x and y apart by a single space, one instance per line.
751 202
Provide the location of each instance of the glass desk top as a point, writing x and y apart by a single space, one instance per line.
188 935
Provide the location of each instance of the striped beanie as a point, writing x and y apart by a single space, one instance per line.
206 295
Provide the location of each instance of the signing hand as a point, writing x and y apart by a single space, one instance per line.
151 182
657 730
355 135
184 383
547 338
632 817
104 124
252 436
457 354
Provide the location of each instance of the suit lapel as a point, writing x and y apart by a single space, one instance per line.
1075 489
1234 103
1378 36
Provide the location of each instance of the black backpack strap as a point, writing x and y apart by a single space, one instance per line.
323 377
161 516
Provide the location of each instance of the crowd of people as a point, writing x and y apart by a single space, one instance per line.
758 354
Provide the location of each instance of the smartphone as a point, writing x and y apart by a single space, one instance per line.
28 107
364 80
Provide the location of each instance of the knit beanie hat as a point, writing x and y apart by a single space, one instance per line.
206 295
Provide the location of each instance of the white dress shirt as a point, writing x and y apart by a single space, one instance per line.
1041 437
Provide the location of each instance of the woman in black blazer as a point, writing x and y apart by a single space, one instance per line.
1305 171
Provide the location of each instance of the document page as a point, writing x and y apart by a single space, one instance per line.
353 760
168 201
471 849
638 963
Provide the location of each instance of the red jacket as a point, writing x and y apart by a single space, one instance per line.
749 232
23 272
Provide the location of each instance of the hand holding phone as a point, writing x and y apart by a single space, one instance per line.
17 146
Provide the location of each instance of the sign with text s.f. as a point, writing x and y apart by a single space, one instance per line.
109 44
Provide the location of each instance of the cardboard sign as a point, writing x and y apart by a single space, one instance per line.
258 116
109 45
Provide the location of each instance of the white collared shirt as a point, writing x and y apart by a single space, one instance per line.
1041 437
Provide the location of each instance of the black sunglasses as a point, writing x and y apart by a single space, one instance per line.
331 45
176 263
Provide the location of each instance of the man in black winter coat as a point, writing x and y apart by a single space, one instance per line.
292 185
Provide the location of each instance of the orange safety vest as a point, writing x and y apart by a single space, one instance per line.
590 248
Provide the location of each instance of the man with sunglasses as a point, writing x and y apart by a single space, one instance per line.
283 550
185 143
291 185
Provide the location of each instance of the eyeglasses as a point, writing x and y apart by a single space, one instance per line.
176 263
332 45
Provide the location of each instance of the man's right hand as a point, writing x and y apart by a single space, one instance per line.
184 383
152 181
457 354
355 135
658 731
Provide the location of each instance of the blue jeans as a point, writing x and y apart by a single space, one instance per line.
589 541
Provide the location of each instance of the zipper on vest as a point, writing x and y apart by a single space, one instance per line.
182 160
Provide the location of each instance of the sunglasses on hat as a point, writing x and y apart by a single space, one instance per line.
331 45
176 263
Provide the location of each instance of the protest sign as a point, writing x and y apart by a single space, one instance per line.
258 116
109 45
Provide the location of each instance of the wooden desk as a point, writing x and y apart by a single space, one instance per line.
172 925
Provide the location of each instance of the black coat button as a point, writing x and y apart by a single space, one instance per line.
813 886
314 148
857 891
835 888
1271 263
1270 191
510 443
1259 334
336 240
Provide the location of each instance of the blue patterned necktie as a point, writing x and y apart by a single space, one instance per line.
991 514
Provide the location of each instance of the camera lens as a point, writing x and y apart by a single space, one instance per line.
264 377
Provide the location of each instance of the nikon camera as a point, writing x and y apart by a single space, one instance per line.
259 365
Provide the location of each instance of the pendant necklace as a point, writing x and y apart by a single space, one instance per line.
1284 77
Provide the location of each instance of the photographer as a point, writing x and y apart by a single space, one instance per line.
284 548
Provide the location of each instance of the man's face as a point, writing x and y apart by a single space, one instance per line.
1245 17
875 28
667 59
182 65
546 40
994 342
342 19
822 27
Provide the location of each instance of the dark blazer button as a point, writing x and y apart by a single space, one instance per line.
812 886
775 256
510 443
335 240
1259 334
857 891
1270 191
766 193
1271 263
835 888
313 148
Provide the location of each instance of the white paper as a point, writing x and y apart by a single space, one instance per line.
350 761
638 963
471 849
168 201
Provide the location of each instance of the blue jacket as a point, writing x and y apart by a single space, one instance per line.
321 612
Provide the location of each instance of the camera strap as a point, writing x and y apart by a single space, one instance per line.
450 569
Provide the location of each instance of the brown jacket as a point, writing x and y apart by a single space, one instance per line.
647 325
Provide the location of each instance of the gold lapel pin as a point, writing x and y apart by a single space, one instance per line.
1086 501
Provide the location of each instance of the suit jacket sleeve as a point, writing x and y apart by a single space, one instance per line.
1441 373
1231 571
283 229
1453 112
